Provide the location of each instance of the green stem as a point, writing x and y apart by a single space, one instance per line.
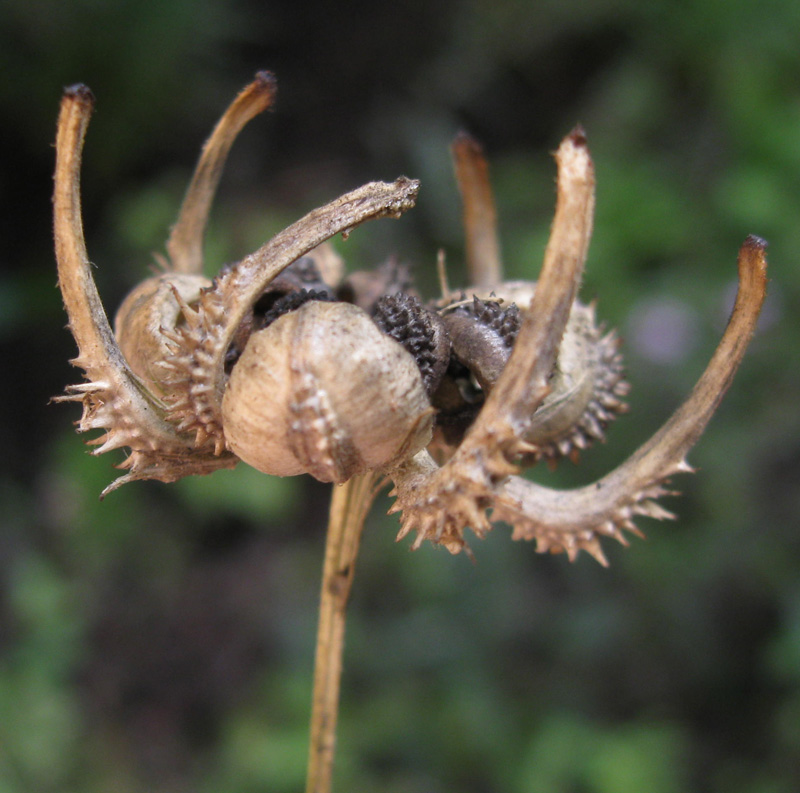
349 507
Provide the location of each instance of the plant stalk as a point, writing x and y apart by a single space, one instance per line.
350 505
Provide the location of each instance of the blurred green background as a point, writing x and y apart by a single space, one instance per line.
162 640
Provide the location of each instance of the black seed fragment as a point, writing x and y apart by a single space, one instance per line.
504 321
403 318
291 302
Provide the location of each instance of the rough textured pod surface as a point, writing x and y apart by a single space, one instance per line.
323 391
145 314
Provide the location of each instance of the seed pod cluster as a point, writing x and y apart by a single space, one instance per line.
285 363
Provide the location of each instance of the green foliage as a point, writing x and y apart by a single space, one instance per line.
569 754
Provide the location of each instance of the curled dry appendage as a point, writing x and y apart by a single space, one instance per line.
443 503
577 519
586 384
484 266
180 318
439 503
115 399
185 243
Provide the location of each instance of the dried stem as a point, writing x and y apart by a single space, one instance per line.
349 507
185 244
484 267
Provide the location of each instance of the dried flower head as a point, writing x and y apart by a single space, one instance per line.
280 362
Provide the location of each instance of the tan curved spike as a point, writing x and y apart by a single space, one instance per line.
576 519
113 400
523 383
185 244
464 486
484 265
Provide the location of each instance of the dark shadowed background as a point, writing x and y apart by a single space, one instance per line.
162 640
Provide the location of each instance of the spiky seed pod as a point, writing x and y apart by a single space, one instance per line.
586 384
587 389
352 399
147 316
302 397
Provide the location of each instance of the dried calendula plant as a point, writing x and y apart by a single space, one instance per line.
282 362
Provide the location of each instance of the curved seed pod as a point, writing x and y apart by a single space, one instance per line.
119 398
169 415
439 503
574 520
323 391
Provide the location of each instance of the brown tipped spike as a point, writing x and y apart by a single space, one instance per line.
185 244
480 217
593 548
